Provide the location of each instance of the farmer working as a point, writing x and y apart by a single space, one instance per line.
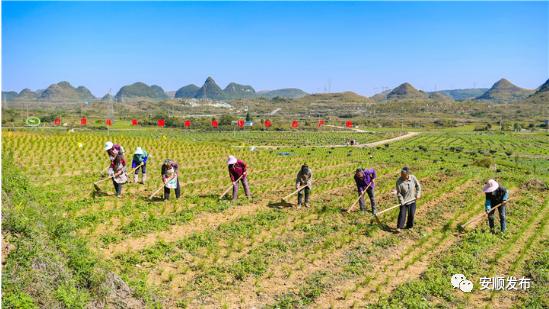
170 179
495 195
117 171
238 171
140 157
304 180
408 191
364 179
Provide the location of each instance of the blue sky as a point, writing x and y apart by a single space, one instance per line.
361 47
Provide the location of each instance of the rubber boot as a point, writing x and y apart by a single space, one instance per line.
135 178
144 178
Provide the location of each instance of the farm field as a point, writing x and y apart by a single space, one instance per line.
200 251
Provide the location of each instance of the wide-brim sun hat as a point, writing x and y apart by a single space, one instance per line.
108 145
231 160
490 186
138 151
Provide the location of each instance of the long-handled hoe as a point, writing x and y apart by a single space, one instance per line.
95 184
283 200
358 199
158 190
230 187
395 206
478 218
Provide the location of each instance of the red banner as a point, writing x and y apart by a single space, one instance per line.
241 123
160 123
295 124
268 123
320 123
57 121
134 122
349 124
83 121
108 122
187 123
215 124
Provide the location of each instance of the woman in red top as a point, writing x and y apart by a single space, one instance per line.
237 171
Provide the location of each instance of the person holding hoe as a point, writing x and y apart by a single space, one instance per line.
139 161
408 190
170 179
496 195
117 171
304 180
364 179
238 172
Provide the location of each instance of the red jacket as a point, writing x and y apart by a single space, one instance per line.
237 170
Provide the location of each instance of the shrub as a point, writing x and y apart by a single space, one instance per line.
484 162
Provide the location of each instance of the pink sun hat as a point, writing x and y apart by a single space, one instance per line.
490 186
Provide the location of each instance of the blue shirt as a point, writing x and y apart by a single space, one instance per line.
488 202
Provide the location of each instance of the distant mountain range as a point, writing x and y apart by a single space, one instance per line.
541 95
140 91
463 94
406 91
503 91
62 91
210 90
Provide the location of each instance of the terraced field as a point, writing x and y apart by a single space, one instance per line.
199 251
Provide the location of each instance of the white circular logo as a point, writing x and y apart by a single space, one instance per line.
32 121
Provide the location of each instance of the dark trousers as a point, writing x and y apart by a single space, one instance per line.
371 195
502 218
117 187
410 210
177 191
305 191
143 169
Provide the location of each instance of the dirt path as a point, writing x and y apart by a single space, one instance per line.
345 128
367 145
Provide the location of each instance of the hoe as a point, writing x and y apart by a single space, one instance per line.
229 188
283 200
95 184
476 219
